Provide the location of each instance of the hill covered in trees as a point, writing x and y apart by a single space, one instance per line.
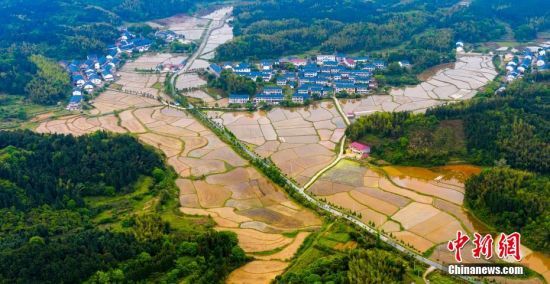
513 201
99 208
423 32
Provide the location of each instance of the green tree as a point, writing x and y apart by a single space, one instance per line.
375 266
50 84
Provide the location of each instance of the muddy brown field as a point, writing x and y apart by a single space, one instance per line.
455 82
213 181
406 209
299 141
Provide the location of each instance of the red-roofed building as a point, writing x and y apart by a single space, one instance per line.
349 62
360 149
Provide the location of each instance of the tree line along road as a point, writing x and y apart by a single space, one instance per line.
250 155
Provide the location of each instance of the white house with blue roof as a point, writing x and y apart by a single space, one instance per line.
214 69
238 98
299 98
269 98
273 90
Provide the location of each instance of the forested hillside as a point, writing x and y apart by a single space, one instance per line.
99 208
421 31
525 18
513 201
60 29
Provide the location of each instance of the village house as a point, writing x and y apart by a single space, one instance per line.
242 68
310 72
305 80
299 98
78 80
269 98
107 76
298 62
344 87
238 98
304 89
361 150
379 64
95 80
325 57
281 81
369 67
266 76
74 102
361 89
77 92
322 80
214 69
266 65
88 87
361 59
349 62
168 35
331 64
273 91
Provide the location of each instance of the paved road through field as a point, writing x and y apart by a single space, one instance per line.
214 25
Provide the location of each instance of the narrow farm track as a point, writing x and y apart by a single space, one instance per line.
251 155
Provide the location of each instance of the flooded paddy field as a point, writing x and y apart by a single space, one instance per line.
139 76
300 141
421 207
217 38
446 83
213 179
190 26
421 210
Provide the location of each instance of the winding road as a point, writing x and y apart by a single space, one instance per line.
214 25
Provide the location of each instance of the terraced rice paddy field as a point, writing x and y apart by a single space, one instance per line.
217 38
421 210
420 207
143 82
299 141
190 26
192 80
213 181
458 81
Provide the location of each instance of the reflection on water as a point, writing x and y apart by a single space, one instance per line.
429 73
448 177
459 172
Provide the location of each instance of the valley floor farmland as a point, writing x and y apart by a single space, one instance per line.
213 181
300 141
457 81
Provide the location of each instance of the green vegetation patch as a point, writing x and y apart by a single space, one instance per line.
103 207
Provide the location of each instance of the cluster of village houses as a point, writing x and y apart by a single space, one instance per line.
92 73
320 77
533 58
